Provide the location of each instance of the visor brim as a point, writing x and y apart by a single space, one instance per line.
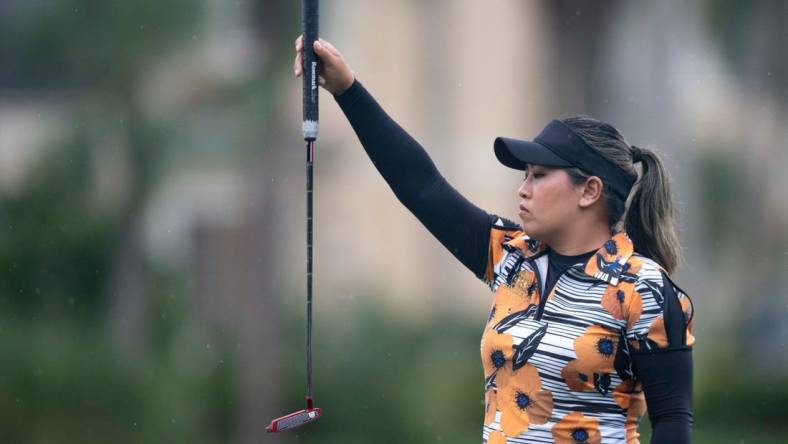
516 154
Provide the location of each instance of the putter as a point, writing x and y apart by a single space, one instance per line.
309 127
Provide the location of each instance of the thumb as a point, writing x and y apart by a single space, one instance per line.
322 51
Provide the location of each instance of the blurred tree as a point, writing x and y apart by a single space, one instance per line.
66 261
578 31
101 50
236 266
53 247
752 36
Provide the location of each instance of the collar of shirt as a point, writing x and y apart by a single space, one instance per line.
606 264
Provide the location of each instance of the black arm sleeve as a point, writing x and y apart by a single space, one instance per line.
462 227
666 376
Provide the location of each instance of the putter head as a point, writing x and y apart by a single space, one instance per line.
293 420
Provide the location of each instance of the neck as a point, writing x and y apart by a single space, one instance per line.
579 239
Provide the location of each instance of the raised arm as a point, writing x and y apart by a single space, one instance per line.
462 227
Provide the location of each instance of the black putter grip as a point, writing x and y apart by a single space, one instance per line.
311 69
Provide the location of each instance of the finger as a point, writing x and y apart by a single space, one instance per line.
297 65
299 41
318 48
321 81
323 52
330 47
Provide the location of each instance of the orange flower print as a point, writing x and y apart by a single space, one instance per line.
490 406
622 301
576 428
596 350
521 400
657 333
631 269
657 337
497 348
510 299
496 437
576 379
622 392
525 284
619 245
606 259
518 242
637 406
497 252
686 307
629 396
525 244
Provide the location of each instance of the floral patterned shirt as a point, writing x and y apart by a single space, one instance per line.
563 373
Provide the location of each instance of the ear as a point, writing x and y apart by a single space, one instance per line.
590 192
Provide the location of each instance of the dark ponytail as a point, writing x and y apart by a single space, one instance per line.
647 217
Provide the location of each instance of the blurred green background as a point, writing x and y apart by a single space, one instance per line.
152 208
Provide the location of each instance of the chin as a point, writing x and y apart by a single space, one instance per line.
528 228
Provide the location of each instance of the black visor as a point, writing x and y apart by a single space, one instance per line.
557 145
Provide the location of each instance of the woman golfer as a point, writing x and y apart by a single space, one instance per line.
586 328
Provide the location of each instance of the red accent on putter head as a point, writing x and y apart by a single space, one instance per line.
296 419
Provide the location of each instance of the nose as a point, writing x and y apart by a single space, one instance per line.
525 190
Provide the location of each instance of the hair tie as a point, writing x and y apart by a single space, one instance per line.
637 155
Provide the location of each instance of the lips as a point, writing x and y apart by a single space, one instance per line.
523 209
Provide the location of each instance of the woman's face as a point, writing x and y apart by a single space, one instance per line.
548 201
